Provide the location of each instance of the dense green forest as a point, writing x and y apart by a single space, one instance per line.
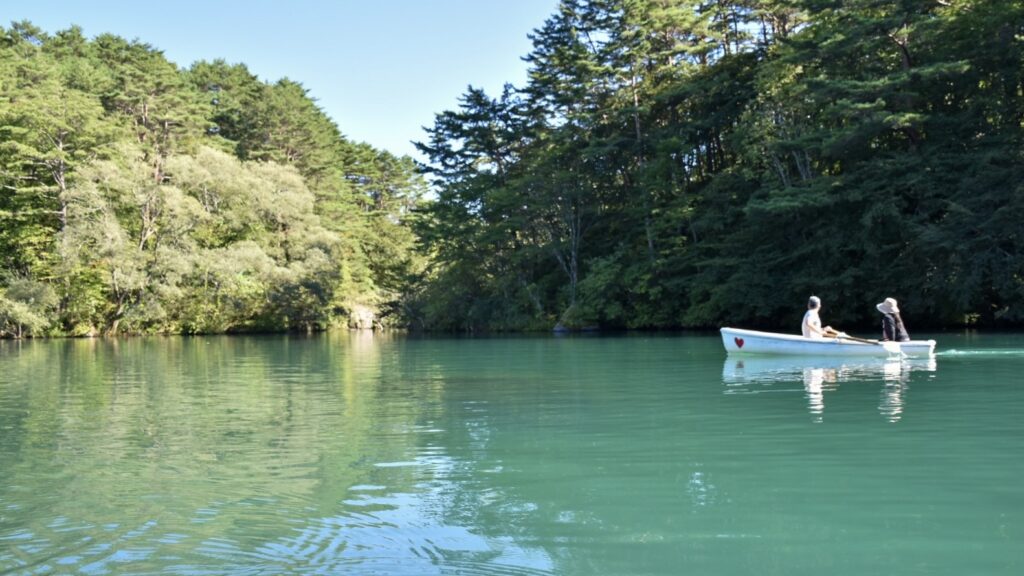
668 163
138 197
694 163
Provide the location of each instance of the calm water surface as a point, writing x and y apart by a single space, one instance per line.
362 454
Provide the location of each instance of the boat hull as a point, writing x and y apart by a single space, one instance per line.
739 341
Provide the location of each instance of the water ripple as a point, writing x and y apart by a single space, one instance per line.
367 454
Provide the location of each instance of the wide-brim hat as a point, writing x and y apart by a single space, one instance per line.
888 307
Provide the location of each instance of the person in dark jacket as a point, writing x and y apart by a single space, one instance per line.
892 325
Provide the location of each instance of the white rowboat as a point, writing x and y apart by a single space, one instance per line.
738 341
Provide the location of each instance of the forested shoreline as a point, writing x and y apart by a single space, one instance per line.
668 164
138 197
691 163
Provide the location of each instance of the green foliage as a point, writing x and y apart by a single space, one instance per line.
696 164
666 164
136 197
26 308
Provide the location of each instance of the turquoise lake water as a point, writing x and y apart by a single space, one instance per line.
355 453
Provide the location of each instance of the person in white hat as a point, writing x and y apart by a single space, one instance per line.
892 325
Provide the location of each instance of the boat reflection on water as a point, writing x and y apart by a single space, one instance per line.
760 374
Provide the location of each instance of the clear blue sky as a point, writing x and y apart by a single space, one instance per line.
380 68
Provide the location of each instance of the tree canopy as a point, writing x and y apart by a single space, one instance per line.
667 164
139 197
694 163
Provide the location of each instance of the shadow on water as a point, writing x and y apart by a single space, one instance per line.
820 375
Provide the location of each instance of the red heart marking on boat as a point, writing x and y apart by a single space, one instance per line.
739 342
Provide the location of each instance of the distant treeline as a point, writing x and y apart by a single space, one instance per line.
692 163
137 197
669 163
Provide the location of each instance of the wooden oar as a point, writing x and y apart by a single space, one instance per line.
846 336
892 347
